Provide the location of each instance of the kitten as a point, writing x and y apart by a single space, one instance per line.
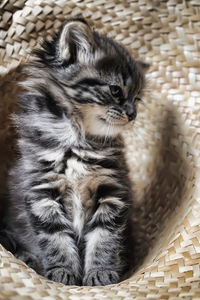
70 193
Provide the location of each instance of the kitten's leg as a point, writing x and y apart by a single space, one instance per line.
7 239
61 258
104 243
55 237
30 260
101 265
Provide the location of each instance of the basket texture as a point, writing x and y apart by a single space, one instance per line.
163 149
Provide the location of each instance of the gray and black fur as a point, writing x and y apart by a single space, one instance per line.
70 193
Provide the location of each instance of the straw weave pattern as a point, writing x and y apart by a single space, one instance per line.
163 149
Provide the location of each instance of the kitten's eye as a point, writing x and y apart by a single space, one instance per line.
137 99
116 91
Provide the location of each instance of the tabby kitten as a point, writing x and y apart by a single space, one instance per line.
69 191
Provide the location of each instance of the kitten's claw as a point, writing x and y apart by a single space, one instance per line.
62 275
100 277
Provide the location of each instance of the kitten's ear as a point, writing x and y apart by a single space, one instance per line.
76 40
142 65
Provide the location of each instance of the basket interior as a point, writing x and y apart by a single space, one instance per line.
162 149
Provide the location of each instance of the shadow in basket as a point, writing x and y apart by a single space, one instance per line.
163 195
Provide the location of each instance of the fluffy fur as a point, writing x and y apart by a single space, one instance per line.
69 191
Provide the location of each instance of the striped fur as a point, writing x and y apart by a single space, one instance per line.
69 191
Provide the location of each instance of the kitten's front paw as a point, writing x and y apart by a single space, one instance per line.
62 275
100 277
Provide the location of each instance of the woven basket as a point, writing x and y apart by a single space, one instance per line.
163 148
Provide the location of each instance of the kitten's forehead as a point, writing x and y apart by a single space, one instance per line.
122 71
114 68
108 63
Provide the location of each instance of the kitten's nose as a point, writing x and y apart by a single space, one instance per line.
130 116
130 110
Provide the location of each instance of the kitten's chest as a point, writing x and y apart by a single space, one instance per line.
78 176
81 181
82 176
77 198
75 171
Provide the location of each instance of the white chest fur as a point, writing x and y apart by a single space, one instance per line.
76 175
75 169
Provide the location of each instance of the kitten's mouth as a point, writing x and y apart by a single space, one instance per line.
114 122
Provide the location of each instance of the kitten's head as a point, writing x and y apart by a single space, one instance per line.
102 81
